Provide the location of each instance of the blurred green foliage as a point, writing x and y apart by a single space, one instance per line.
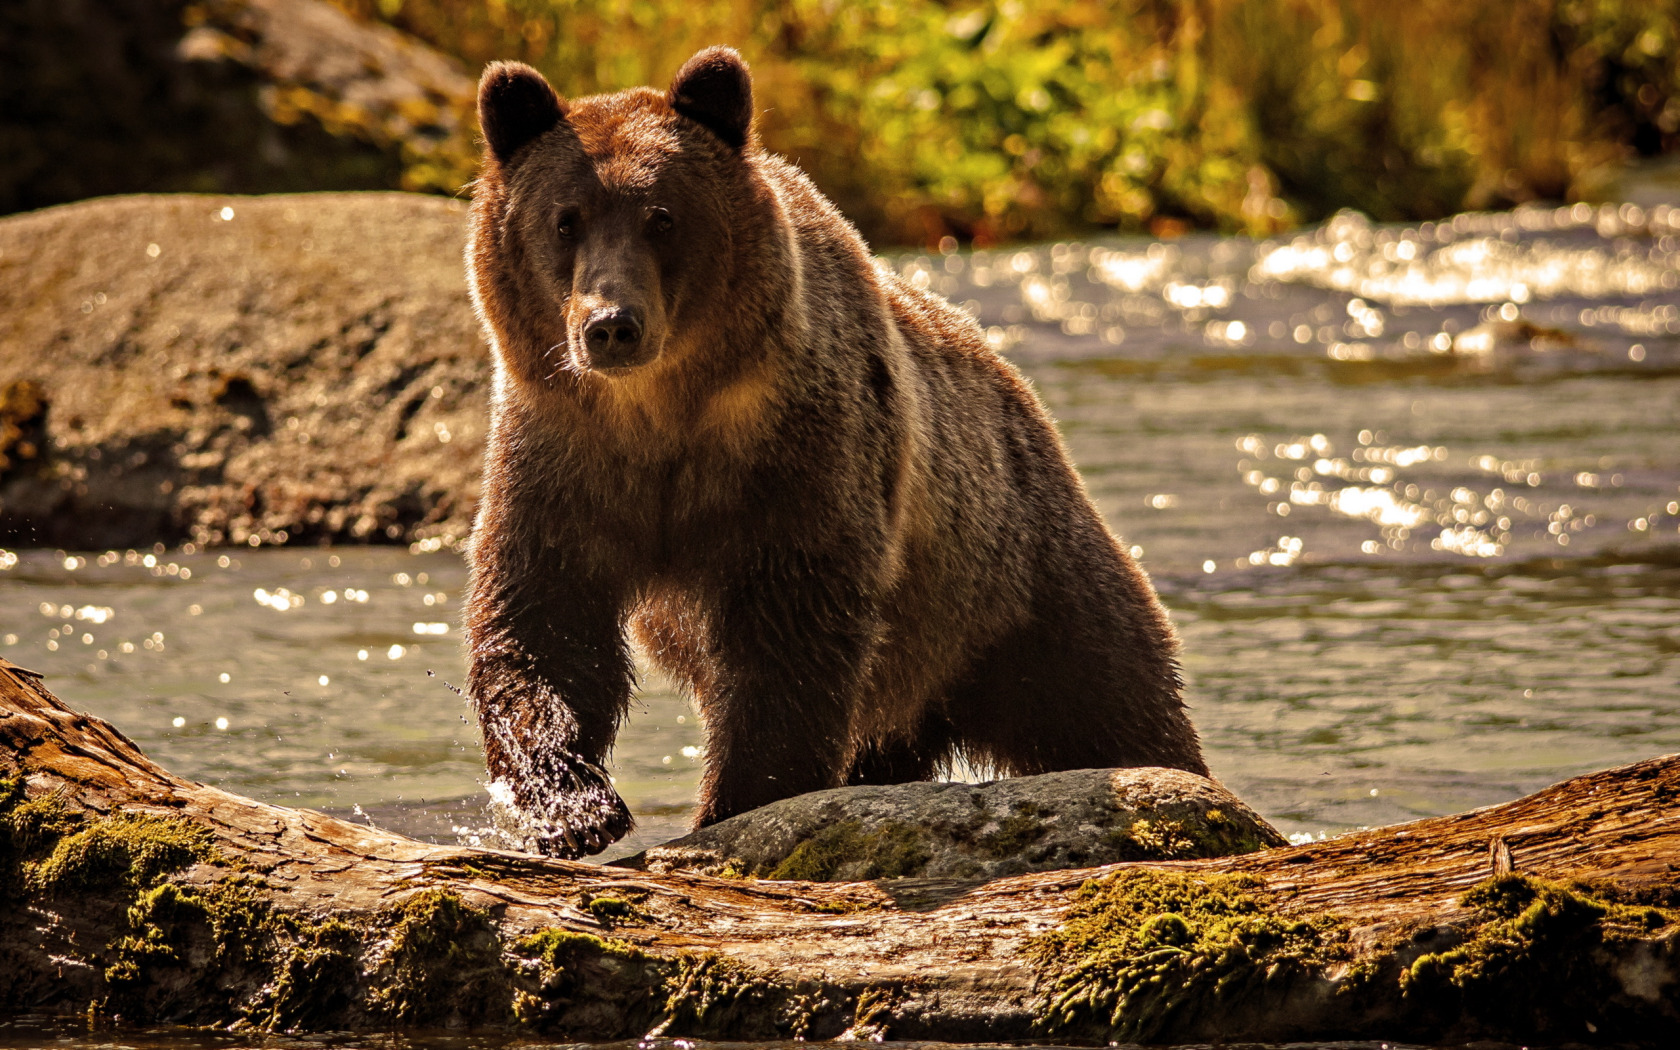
1001 120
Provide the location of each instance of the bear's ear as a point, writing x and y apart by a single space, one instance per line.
515 105
715 89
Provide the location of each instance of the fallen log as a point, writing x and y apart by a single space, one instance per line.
135 895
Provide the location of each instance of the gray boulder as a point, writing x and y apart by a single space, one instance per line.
301 368
1081 818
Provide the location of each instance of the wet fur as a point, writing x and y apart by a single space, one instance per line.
824 506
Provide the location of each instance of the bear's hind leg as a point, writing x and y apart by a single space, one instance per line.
1091 690
790 640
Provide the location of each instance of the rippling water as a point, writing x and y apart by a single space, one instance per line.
1412 495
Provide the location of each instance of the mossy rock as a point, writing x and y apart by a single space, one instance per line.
1080 818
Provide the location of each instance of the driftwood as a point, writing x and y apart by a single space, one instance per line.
134 895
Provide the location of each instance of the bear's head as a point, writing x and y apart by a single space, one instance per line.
608 230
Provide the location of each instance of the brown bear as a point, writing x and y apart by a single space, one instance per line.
809 490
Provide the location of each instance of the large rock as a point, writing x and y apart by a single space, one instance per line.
1075 819
238 369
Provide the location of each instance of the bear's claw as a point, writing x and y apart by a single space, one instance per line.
569 808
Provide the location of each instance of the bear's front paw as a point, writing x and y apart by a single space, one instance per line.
569 809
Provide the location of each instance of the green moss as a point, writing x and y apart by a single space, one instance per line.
873 1015
1161 839
190 952
1014 833
442 961
229 936
1538 958
588 986
154 919
842 906
314 978
39 822
1139 949
28 829
11 793
613 910
1213 834
128 849
236 923
713 996
31 823
558 948
893 850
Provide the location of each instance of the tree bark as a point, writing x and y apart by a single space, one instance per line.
137 895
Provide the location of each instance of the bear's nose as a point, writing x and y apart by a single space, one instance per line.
613 334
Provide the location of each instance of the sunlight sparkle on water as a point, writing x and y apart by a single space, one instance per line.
1476 258
280 599
1470 523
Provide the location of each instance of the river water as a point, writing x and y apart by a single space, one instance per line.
1412 495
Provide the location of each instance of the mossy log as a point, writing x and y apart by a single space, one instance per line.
135 895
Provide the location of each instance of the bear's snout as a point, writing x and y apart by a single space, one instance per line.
612 336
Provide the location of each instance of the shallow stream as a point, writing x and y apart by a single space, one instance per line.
1412 495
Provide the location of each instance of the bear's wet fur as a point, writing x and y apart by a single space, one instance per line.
809 490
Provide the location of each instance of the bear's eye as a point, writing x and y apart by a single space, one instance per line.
660 221
566 225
